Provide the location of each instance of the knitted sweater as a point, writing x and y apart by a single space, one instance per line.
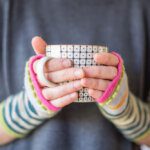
123 27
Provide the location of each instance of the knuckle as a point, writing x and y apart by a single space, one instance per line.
84 81
94 83
66 63
76 86
72 96
100 84
64 89
66 74
99 70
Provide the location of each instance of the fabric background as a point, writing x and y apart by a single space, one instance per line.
123 26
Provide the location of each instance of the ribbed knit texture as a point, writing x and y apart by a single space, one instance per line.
21 113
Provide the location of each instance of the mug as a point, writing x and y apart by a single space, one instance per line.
81 55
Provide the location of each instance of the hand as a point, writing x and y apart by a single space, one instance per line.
97 78
58 71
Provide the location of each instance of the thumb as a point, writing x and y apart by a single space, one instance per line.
39 45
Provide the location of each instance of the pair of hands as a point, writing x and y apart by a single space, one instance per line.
95 78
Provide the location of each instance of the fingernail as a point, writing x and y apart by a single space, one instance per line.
77 84
73 95
78 73
95 56
67 63
55 103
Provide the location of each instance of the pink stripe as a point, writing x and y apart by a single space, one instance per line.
109 91
44 101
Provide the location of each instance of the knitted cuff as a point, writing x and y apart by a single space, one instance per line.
19 116
33 88
129 114
23 112
114 99
134 121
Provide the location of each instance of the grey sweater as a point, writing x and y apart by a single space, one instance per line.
124 26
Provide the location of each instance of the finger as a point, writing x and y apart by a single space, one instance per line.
103 72
106 59
38 45
97 84
65 75
54 65
95 93
61 90
57 64
65 100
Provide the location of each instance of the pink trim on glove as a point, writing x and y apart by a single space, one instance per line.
44 101
109 91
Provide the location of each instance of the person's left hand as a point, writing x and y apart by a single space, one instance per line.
97 78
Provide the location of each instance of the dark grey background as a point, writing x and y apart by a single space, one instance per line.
122 25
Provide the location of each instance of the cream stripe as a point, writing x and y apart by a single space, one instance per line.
121 102
139 125
31 113
14 126
138 131
17 118
24 114
145 126
117 111
126 120
4 125
126 111
121 121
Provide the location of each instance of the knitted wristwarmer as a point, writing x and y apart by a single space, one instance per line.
23 112
129 114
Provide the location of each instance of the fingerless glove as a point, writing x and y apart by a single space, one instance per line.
127 112
23 112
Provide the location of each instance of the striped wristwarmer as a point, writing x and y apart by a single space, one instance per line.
23 112
128 113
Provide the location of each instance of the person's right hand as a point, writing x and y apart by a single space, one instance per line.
57 71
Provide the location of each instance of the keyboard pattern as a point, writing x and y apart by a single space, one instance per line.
81 55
